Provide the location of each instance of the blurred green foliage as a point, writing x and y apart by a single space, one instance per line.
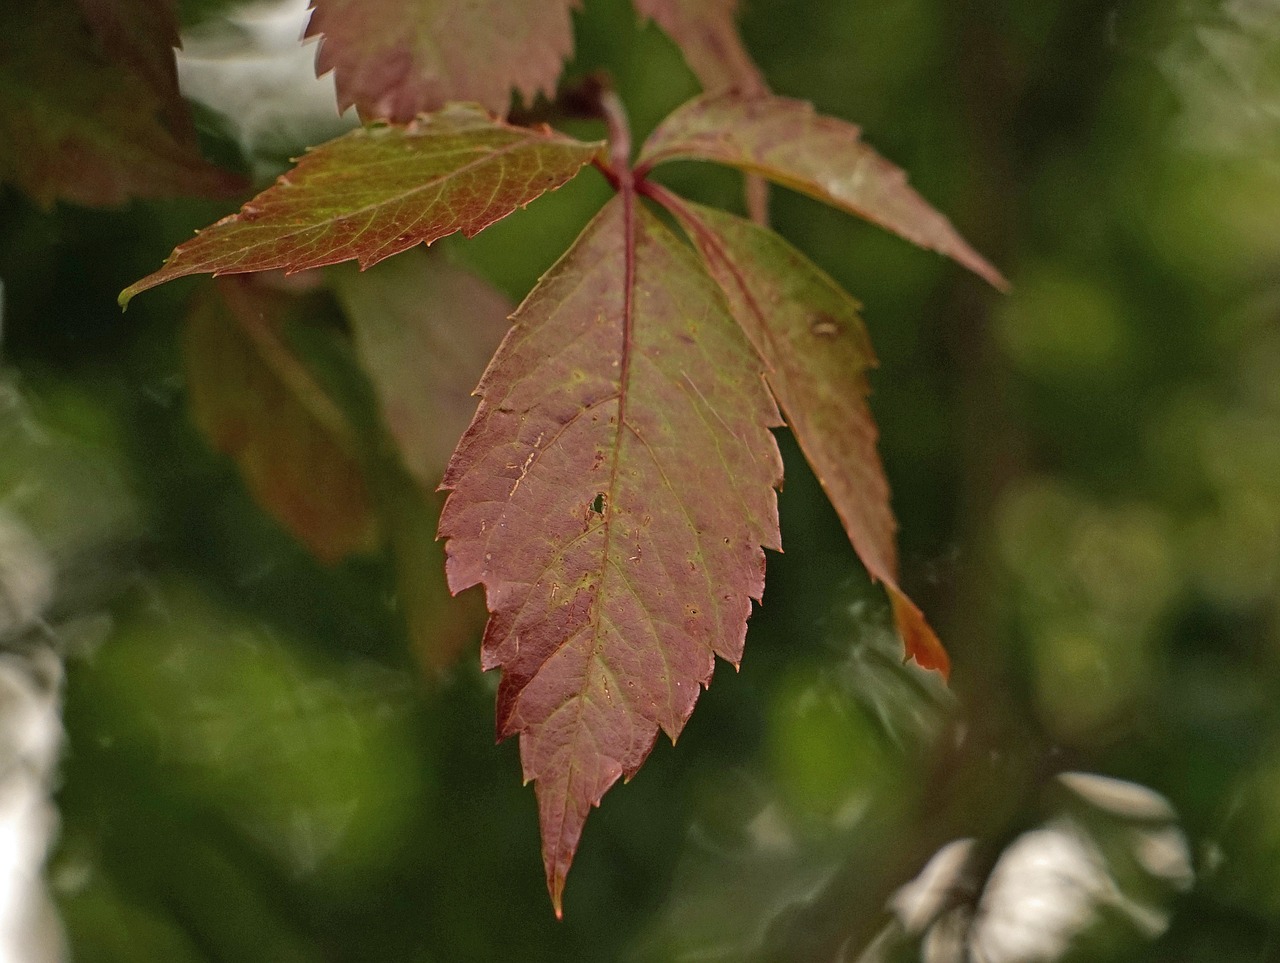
1086 472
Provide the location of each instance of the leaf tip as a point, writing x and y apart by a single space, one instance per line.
921 642
133 290
555 886
966 256
136 288
988 273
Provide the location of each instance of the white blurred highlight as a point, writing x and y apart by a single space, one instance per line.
30 740
252 69
1050 886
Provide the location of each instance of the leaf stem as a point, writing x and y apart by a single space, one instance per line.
676 205
615 118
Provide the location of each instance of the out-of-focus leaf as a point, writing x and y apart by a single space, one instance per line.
141 35
789 143
1225 70
306 758
424 329
707 36
612 495
395 59
62 480
380 190
404 510
79 128
439 627
256 402
809 332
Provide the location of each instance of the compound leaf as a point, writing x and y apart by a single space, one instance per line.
256 402
395 59
612 495
380 190
79 127
789 143
810 334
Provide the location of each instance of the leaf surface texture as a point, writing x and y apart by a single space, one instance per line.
395 59
612 495
789 143
380 190
809 332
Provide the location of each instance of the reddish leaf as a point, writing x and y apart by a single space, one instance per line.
77 128
141 35
809 333
257 403
708 38
380 190
424 331
787 142
612 495
396 59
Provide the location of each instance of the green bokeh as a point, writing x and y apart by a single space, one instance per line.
1086 475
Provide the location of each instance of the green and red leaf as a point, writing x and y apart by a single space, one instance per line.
78 126
395 59
612 495
257 403
380 190
789 143
809 332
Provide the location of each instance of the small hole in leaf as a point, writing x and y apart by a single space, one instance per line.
597 506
